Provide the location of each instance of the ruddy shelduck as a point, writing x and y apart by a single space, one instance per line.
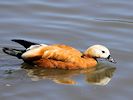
59 55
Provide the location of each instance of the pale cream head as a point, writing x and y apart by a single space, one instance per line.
99 51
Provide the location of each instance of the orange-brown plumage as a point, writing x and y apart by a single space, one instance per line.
59 55
50 63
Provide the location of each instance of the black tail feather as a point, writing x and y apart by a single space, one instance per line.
24 43
13 52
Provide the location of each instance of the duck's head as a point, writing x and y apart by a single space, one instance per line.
99 51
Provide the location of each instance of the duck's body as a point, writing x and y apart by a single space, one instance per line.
53 56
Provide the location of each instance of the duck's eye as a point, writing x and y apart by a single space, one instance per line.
103 51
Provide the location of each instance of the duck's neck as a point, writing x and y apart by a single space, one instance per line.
86 56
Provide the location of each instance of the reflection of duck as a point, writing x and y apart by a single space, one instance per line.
99 75
58 55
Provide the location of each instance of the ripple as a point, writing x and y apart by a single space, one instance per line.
79 23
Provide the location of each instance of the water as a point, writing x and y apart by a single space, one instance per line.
79 23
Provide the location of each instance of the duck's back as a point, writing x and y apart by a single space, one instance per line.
72 51
58 52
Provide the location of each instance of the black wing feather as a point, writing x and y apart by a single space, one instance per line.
24 43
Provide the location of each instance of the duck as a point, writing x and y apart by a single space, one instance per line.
59 56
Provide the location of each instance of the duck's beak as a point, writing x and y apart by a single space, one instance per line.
110 59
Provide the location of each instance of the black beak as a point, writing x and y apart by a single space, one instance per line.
110 59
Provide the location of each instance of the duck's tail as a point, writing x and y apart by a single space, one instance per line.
24 43
16 52
13 52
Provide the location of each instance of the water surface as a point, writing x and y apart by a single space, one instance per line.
76 23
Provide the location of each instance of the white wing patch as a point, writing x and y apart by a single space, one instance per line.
33 51
35 46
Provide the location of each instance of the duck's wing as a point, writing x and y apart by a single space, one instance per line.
69 49
61 52
34 52
55 52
